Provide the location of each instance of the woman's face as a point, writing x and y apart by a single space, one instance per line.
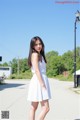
38 46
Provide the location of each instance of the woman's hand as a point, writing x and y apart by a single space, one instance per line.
43 86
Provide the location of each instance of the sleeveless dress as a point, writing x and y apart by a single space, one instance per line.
36 93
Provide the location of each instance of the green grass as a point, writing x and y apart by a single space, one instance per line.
64 78
25 75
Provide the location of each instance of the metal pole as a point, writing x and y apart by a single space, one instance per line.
76 20
75 80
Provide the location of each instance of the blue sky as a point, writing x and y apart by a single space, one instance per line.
20 20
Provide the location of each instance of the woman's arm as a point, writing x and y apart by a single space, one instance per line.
35 61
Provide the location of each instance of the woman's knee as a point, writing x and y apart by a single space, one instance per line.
45 105
34 106
47 109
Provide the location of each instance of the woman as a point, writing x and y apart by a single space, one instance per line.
39 89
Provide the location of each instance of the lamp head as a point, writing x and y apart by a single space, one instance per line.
77 16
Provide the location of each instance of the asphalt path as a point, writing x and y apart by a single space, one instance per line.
64 105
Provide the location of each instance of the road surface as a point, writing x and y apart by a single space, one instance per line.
64 105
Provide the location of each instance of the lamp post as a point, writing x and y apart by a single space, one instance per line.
76 20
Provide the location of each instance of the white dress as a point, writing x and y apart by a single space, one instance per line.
36 93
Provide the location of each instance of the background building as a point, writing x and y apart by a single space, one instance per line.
5 71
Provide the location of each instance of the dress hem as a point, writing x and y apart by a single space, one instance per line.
38 100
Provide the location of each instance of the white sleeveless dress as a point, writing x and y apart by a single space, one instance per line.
36 93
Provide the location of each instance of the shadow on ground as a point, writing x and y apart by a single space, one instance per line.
9 85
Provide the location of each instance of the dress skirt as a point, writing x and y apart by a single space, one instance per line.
36 93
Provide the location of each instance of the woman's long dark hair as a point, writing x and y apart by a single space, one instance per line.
32 44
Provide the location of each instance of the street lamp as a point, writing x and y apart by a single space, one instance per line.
76 20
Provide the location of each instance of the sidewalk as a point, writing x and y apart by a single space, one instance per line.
76 90
64 105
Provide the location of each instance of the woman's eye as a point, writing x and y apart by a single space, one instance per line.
35 44
38 44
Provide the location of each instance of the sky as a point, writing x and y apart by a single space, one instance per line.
53 21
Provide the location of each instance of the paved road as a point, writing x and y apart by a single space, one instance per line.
64 104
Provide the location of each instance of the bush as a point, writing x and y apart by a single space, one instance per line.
25 75
65 78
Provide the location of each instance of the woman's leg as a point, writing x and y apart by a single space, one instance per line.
33 108
45 109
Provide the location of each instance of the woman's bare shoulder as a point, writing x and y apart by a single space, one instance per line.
34 55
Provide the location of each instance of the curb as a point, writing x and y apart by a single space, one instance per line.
76 90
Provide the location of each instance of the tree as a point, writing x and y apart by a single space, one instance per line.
14 65
67 59
54 64
23 64
78 58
